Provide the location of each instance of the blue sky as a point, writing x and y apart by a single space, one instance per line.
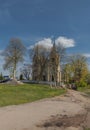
33 20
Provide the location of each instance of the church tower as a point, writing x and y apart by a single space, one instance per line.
36 65
51 68
54 65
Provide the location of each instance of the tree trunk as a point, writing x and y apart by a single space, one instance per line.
14 71
14 74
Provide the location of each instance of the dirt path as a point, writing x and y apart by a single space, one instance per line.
31 115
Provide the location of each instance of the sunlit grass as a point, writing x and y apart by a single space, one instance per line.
13 95
85 89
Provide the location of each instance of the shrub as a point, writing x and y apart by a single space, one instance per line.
82 83
21 77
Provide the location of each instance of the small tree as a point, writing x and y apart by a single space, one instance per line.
26 71
79 66
21 77
13 54
1 77
76 69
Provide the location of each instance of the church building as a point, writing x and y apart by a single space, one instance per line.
50 70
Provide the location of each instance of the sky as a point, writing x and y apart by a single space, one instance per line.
38 21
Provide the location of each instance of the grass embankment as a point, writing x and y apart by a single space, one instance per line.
13 95
85 89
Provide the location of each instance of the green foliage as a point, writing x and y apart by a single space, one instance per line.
81 83
13 95
1 77
76 69
87 78
85 89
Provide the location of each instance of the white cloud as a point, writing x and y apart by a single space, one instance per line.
1 52
65 42
30 47
87 55
46 43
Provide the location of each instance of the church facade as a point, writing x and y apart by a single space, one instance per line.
49 70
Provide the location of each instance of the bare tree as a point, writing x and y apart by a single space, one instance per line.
40 57
61 50
13 54
26 71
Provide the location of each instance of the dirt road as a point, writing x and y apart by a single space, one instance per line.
33 116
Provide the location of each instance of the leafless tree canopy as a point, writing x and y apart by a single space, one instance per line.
62 52
40 56
13 54
26 71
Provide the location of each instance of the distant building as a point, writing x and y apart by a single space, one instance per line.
51 70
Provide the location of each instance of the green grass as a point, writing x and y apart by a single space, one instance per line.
13 95
85 89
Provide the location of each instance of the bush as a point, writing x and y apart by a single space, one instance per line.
21 77
1 77
81 84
